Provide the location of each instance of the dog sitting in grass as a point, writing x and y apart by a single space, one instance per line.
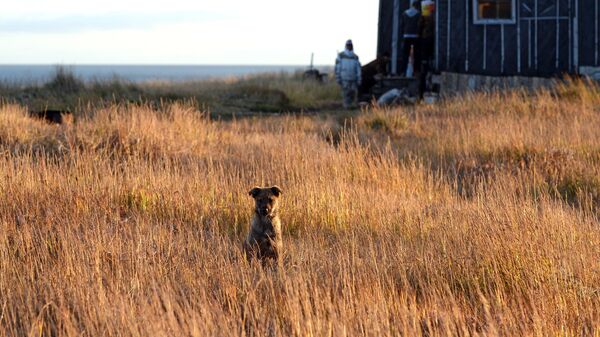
264 240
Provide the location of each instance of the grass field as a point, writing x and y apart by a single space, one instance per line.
478 216
261 93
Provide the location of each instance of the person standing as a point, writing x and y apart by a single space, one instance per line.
427 32
348 74
409 30
427 48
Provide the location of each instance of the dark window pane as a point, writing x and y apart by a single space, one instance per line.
495 9
504 10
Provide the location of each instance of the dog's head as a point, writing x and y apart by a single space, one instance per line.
266 199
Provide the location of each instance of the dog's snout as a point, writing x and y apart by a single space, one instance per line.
264 211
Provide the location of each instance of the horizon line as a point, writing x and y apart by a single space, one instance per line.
165 64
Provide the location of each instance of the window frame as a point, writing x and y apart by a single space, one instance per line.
479 21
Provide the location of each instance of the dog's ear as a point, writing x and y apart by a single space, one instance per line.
254 192
276 191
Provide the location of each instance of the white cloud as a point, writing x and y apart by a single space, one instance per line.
186 32
102 22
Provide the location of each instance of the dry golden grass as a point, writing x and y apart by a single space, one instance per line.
475 217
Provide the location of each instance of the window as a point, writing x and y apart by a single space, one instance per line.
494 11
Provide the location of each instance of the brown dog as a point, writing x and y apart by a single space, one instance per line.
264 240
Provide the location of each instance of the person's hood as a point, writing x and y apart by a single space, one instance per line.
411 12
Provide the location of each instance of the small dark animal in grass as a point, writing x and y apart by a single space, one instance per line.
52 116
264 241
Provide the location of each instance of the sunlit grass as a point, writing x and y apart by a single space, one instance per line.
478 216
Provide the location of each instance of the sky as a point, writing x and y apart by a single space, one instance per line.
241 32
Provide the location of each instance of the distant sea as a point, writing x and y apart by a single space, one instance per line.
28 74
